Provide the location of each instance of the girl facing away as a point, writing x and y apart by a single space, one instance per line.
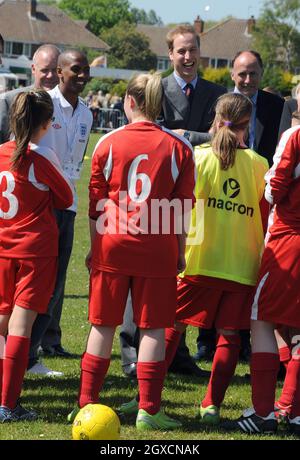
217 286
277 300
134 168
31 185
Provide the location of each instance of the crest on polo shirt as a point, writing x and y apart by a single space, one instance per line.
83 129
55 125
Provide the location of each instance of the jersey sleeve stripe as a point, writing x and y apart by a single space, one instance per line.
34 182
174 167
109 165
50 156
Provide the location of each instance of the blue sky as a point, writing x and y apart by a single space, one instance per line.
187 10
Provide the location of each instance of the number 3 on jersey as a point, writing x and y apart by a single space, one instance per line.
7 193
133 177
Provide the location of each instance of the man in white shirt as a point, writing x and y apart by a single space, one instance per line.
68 137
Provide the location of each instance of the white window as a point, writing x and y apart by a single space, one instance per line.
7 48
27 49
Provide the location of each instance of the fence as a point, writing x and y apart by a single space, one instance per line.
107 119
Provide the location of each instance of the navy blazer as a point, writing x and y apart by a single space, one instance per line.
268 114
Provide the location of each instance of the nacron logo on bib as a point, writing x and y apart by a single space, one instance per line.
231 188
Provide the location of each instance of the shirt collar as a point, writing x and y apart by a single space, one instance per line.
63 102
253 98
182 83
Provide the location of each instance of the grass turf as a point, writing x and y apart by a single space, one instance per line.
53 398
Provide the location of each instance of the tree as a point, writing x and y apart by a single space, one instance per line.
101 14
219 76
276 34
142 17
129 48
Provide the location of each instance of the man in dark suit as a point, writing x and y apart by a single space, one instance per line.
188 109
247 72
290 106
189 115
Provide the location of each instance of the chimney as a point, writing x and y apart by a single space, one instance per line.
250 25
32 8
199 25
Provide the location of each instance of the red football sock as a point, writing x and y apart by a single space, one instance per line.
290 383
285 356
14 367
93 372
223 367
151 379
290 395
172 339
2 350
264 370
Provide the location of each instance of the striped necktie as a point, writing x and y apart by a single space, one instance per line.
189 92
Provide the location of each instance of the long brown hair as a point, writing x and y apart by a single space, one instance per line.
30 110
146 89
231 109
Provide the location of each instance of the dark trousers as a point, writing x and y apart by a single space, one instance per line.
46 329
129 336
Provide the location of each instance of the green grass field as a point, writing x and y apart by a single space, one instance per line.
54 398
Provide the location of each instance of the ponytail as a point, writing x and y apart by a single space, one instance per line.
231 109
224 145
146 89
30 110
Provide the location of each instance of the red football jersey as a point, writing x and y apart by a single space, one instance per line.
283 185
27 198
140 169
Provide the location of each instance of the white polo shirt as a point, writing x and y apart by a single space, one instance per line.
68 135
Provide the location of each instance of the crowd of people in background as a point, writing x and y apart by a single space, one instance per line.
107 110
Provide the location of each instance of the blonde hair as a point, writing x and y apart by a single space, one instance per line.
146 89
29 111
231 108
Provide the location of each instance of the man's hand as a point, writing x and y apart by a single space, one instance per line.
179 131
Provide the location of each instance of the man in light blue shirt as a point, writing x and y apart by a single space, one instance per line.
247 72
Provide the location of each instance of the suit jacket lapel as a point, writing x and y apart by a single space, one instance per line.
177 98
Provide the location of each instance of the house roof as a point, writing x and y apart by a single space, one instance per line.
51 25
224 40
221 41
157 38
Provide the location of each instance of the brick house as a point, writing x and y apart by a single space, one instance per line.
25 25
